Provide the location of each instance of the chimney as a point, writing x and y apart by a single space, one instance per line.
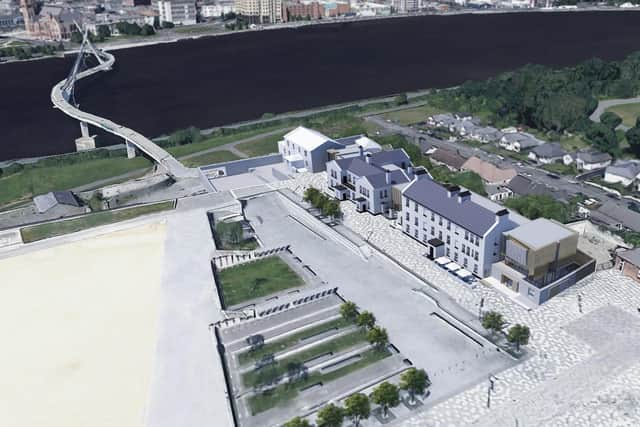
464 196
410 170
361 150
452 190
387 177
501 215
367 158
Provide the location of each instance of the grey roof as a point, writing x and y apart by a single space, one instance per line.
44 202
473 217
348 140
449 158
397 157
539 233
593 156
380 180
525 140
549 150
632 256
525 187
361 168
628 169
613 215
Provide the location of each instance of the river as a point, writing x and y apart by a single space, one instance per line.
219 80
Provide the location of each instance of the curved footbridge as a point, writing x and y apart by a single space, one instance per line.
62 98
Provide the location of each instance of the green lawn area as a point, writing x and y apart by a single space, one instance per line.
283 393
33 181
246 245
256 279
51 229
216 141
628 112
291 340
261 146
410 116
209 158
561 169
279 368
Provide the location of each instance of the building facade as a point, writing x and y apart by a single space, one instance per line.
628 263
305 149
260 11
54 22
471 231
179 12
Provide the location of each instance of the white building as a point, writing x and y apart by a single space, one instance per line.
371 9
179 12
622 172
217 9
260 11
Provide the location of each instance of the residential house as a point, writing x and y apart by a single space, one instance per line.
498 193
628 263
616 216
441 120
368 180
551 152
305 149
469 225
45 202
588 160
448 158
486 134
352 146
519 141
541 259
464 128
622 172
490 173
523 186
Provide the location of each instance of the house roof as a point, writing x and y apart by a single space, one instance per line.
593 156
613 214
632 256
44 202
488 171
308 139
525 140
468 214
396 157
624 168
523 186
549 150
540 232
449 158
380 179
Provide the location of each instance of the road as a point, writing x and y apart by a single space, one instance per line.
607 103
535 174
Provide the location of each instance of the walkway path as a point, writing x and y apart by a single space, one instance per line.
607 103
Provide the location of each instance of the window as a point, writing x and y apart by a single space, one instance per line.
406 202
407 228
415 221
386 194
424 237
530 293
455 257
433 216
448 225
407 216
465 262
463 246
440 220
448 240
475 268
466 235
415 233
381 194
476 256
333 174
440 235
448 253
433 231
415 206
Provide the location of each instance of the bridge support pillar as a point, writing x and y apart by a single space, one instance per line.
131 150
86 141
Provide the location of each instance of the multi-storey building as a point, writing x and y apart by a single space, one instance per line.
371 180
54 22
456 223
260 11
179 12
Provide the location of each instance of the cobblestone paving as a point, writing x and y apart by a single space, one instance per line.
555 350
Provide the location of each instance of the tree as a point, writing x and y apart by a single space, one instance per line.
414 381
167 24
311 194
401 99
295 371
366 320
76 37
255 341
537 206
147 30
610 119
633 138
378 337
349 311
602 137
103 32
331 208
493 321
518 335
330 416
357 407
297 422
387 396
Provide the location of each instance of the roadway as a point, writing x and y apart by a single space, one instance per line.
173 167
557 183
607 103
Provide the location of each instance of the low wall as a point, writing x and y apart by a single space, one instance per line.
237 167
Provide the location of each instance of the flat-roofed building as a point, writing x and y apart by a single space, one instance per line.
179 12
260 11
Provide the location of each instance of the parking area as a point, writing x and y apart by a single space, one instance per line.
454 357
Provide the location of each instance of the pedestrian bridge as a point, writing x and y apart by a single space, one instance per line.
61 96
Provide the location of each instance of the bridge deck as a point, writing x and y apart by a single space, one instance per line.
173 167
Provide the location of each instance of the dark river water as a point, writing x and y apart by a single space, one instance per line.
219 80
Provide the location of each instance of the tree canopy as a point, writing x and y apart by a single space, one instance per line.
349 311
519 335
330 416
378 337
366 320
357 407
414 381
387 396
539 206
297 422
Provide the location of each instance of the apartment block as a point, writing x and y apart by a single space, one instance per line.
260 11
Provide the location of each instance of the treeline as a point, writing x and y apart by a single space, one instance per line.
26 52
551 100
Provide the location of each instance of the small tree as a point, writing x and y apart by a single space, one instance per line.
147 30
493 321
378 337
330 416
311 194
256 342
610 119
297 422
357 407
331 208
401 99
387 396
349 311
518 335
414 381
366 320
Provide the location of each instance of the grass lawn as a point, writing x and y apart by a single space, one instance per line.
561 169
246 245
209 158
51 229
216 141
256 279
410 116
261 146
32 181
628 112
281 394
291 340
279 368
